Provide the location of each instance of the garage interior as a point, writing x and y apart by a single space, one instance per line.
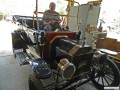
13 76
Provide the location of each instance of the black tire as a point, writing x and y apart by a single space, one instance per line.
109 75
34 83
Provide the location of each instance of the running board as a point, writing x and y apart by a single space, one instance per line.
21 58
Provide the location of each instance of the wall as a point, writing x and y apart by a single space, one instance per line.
86 15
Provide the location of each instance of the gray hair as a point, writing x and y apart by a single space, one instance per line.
52 3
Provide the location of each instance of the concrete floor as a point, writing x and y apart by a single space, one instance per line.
13 76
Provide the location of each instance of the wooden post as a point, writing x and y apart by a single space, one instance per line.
37 19
70 3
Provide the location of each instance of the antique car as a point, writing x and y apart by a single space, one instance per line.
60 55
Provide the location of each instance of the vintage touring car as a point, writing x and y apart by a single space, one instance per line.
59 54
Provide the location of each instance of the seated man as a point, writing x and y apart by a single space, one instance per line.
51 18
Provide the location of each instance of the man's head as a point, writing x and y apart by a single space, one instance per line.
52 6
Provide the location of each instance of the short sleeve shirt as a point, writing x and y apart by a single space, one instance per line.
48 16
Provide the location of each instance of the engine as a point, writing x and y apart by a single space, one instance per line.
71 58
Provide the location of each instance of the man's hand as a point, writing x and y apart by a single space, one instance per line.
51 22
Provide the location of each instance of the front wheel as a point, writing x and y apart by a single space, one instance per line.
106 75
34 83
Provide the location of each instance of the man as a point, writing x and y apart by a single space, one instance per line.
51 18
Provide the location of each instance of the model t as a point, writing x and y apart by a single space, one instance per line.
60 55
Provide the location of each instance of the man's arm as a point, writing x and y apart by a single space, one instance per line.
46 22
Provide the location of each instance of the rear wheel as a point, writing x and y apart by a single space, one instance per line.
106 75
34 83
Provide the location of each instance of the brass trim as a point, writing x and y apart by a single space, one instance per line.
59 32
74 50
56 37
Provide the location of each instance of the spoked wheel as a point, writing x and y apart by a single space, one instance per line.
106 75
34 83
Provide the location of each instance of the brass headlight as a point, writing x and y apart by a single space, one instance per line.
100 57
67 69
97 54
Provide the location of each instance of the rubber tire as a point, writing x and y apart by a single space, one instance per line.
35 83
115 70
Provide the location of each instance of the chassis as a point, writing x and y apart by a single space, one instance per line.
58 54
